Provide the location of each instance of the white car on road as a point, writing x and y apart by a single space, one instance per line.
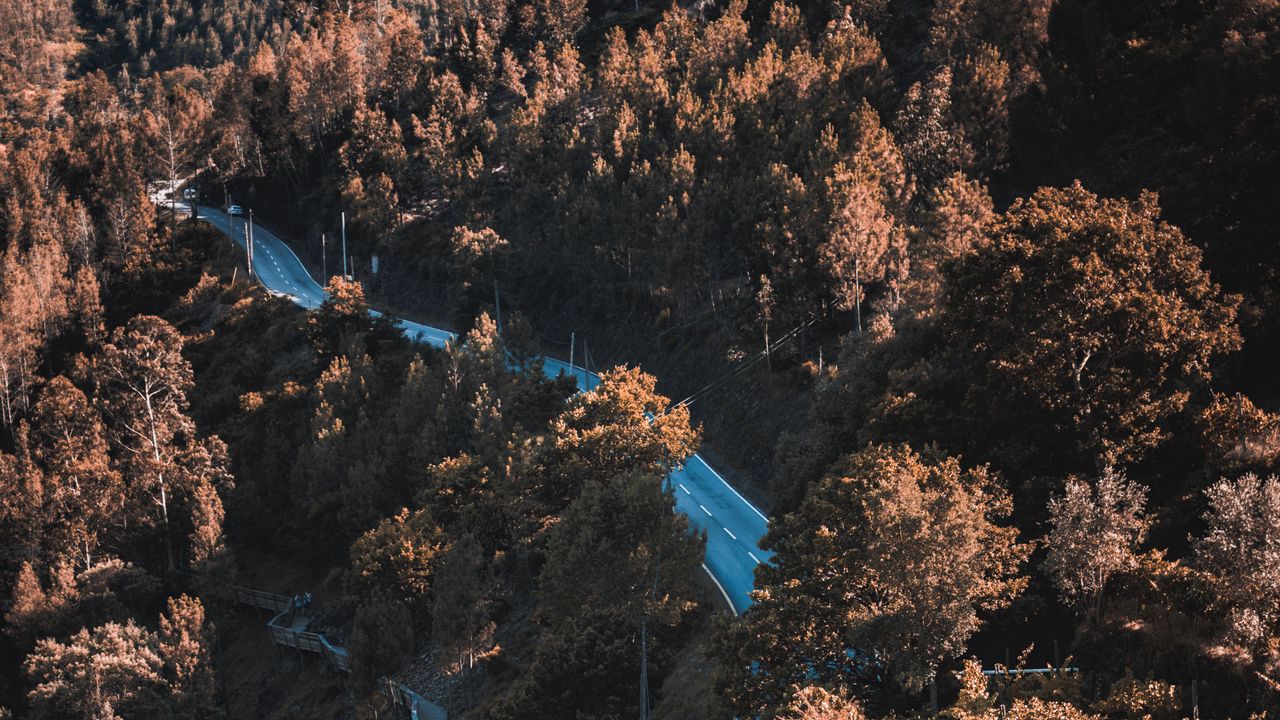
234 210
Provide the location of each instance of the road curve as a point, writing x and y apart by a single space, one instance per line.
732 524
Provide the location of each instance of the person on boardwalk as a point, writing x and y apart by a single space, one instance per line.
306 601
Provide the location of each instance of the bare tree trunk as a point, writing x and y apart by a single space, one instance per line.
164 495
857 291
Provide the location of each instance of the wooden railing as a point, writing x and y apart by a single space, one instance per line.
419 707
259 598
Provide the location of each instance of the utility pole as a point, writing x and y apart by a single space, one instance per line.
644 668
251 240
344 245
324 264
497 307
572 340
248 248
644 639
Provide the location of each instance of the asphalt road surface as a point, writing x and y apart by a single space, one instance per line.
732 524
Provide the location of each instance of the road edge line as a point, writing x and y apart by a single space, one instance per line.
727 599
732 488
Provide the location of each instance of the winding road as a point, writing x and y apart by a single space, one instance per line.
733 525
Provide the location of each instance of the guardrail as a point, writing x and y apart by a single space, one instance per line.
336 657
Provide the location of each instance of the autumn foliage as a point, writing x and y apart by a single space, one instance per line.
977 297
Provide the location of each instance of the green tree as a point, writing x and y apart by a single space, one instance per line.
620 425
880 576
374 204
400 557
620 545
1240 550
342 316
112 671
860 235
175 124
958 216
335 477
589 670
460 619
977 702
83 491
381 637
932 141
815 703
29 607
376 147
1142 699
1091 316
183 643
1096 529
143 381
981 106
476 255
1236 435
463 496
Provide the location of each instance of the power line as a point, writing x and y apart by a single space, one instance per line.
744 365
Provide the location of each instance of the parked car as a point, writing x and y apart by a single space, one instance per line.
234 210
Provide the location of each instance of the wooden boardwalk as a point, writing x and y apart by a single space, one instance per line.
288 628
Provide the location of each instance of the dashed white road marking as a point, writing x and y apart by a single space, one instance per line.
271 256
732 489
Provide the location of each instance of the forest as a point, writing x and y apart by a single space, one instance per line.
976 299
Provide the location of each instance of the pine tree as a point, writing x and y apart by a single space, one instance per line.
932 141
183 645
859 237
382 637
83 492
29 607
981 106
107 672
460 619
620 548
815 703
959 215
175 125
342 317
400 556
619 426
211 560
143 382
